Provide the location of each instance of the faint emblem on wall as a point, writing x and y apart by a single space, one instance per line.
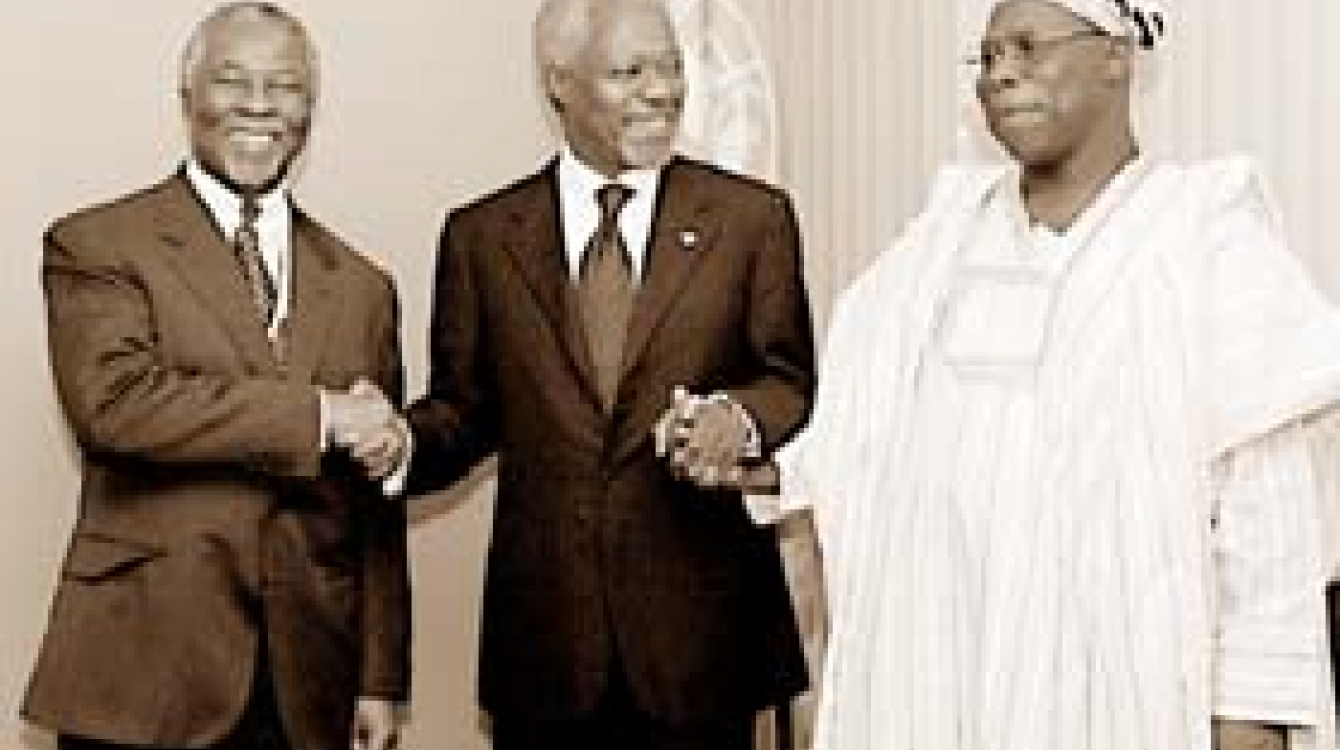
730 118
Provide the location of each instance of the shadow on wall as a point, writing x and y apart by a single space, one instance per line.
425 509
428 515
37 739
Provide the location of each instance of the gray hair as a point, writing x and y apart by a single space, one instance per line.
194 52
563 27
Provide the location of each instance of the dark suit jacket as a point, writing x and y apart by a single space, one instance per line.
596 548
208 513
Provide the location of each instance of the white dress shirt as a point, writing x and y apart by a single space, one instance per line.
580 209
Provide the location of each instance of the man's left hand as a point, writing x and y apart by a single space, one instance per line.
1233 734
708 439
376 725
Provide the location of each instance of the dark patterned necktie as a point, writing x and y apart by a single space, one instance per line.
247 246
605 291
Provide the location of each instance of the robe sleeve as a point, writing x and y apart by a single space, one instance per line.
1271 646
1274 364
1275 342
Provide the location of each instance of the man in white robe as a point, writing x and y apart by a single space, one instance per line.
1059 458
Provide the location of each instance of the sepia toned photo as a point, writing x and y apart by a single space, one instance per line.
671 375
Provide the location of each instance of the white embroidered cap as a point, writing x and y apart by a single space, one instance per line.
1142 20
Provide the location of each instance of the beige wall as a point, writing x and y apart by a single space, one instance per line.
428 103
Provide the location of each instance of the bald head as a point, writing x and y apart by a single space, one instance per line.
563 28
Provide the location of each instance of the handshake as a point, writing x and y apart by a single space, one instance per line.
713 442
363 421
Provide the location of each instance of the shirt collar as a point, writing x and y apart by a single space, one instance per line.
225 205
581 179
577 186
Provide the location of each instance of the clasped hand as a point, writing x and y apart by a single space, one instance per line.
1232 734
706 440
364 422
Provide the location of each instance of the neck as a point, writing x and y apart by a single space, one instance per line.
236 188
584 157
1056 193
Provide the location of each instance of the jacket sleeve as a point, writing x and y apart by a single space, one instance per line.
780 333
452 423
386 584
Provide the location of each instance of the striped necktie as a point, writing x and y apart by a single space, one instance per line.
247 247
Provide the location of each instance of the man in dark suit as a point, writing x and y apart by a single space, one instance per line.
234 579
624 606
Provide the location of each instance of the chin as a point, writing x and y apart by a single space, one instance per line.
1038 151
647 155
256 176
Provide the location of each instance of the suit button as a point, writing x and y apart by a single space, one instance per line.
585 514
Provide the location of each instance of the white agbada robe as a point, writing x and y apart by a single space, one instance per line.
1061 480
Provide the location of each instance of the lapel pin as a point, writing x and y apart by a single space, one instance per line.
688 239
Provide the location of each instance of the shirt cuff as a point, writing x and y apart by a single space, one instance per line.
765 510
394 483
324 433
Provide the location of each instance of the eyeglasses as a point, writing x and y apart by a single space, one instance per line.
1027 50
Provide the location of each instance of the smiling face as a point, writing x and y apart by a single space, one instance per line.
1049 80
621 96
248 98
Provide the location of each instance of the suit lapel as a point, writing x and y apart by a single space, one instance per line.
534 241
313 304
682 235
681 238
203 258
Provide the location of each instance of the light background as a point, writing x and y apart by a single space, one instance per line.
428 103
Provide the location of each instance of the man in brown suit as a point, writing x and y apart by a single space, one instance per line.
234 580
624 606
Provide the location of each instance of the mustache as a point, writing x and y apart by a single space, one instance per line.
1005 106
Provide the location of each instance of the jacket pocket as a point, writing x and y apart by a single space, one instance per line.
95 557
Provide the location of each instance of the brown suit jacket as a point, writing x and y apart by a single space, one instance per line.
208 515
598 555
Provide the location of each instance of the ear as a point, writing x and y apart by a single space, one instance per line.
1120 60
556 81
